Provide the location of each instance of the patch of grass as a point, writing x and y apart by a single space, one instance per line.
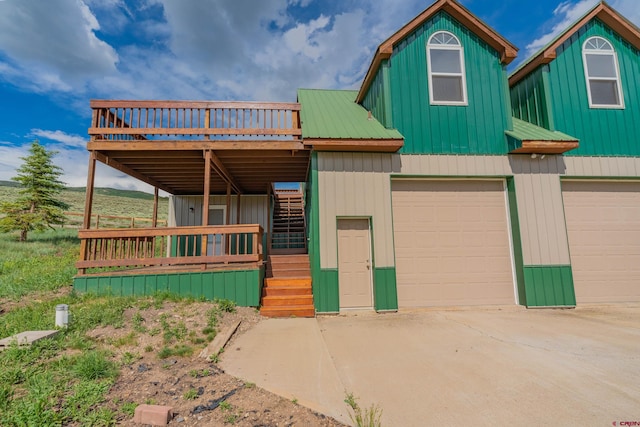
178 350
160 297
195 373
138 323
130 358
225 406
94 365
249 385
231 418
225 305
190 394
128 408
148 349
130 340
369 417
45 262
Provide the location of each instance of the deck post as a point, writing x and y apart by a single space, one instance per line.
205 201
227 220
88 203
154 223
238 209
269 218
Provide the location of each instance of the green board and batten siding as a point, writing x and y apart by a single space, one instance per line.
563 102
378 98
549 286
530 100
596 127
427 128
242 286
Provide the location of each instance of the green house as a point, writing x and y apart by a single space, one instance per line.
442 181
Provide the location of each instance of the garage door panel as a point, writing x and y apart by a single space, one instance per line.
451 243
603 226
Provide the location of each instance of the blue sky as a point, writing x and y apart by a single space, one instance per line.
56 55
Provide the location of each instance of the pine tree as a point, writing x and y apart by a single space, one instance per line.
36 207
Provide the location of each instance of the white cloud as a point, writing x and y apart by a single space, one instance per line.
66 139
52 51
74 163
569 12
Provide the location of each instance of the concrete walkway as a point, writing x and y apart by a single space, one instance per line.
480 367
289 357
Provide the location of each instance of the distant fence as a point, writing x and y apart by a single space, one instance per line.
110 221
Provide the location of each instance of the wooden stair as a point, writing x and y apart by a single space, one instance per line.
288 234
287 287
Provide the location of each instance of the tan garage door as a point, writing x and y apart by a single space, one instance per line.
603 223
452 243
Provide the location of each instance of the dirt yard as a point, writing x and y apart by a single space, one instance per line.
200 393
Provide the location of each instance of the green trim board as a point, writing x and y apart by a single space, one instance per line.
549 286
516 241
244 287
385 289
324 281
326 294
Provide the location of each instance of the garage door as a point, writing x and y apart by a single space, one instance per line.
603 223
452 243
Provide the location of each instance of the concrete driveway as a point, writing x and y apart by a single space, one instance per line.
498 366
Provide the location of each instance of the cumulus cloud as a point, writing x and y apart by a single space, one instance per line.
64 138
45 54
74 163
569 12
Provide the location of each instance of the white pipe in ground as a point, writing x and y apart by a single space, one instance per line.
62 315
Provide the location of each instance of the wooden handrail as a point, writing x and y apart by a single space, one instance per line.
111 103
173 246
121 120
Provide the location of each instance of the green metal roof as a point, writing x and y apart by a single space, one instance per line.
334 114
525 131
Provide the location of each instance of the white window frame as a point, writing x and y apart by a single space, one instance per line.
605 52
462 74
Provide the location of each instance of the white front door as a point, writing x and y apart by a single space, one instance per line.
216 242
354 263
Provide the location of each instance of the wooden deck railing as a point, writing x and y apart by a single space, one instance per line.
140 120
174 246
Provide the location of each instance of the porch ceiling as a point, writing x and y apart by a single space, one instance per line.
182 172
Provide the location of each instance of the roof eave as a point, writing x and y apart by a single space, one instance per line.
507 50
545 147
602 11
390 145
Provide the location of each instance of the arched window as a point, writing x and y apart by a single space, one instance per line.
445 60
602 74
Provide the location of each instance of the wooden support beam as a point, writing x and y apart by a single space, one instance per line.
88 201
269 186
122 168
154 223
238 209
224 173
205 201
227 220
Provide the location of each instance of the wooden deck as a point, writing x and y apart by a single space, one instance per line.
164 143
